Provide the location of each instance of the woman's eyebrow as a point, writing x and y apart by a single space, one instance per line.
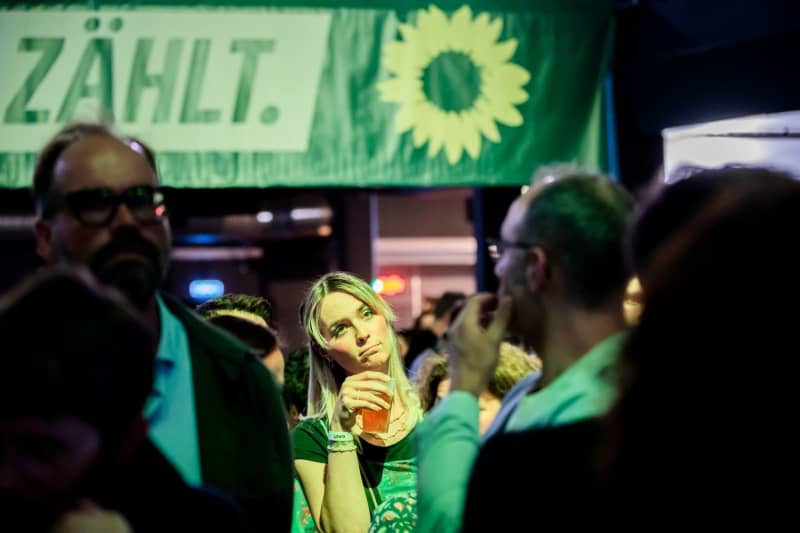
343 320
337 323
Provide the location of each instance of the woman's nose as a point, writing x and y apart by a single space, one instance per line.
361 338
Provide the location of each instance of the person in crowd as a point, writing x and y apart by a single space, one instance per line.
295 387
249 318
295 399
562 276
687 446
421 344
430 342
355 474
214 410
442 311
432 382
74 452
424 320
513 365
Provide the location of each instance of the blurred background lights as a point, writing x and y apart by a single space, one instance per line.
389 285
265 217
205 289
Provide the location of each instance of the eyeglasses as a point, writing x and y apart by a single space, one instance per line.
98 207
497 247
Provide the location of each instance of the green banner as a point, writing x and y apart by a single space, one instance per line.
313 94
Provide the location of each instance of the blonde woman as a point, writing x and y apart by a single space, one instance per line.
352 476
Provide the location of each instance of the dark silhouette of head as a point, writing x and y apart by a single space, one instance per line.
74 376
709 374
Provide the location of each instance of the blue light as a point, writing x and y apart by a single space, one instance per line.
205 289
201 238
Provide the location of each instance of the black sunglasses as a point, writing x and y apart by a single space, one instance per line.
97 207
497 247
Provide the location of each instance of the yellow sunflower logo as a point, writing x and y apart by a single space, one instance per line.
454 81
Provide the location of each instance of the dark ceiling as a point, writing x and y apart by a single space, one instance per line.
688 61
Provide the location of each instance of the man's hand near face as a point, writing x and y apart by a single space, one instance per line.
473 342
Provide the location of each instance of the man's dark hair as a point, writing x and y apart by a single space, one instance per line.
256 335
580 221
255 305
446 302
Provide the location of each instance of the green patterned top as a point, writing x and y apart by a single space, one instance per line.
389 474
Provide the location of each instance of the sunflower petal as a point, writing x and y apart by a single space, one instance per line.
400 90
399 59
422 124
487 54
409 33
502 52
404 119
509 73
453 150
453 145
492 56
485 121
498 87
482 20
471 135
437 121
461 29
432 26
493 30
421 133
505 113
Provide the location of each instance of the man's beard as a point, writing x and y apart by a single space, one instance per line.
137 279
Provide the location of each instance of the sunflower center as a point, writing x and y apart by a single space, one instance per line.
452 81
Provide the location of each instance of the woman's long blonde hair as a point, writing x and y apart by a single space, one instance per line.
323 388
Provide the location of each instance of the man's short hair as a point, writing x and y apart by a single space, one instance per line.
248 317
446 302
581 220
254 305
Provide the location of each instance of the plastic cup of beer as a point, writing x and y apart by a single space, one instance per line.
378 421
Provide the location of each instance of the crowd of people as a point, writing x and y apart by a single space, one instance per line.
560 401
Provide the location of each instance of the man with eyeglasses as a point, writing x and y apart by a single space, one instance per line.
562 275
214 410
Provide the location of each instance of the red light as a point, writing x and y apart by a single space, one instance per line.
389 285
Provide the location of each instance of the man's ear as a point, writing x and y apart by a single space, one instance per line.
43 233
537 271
